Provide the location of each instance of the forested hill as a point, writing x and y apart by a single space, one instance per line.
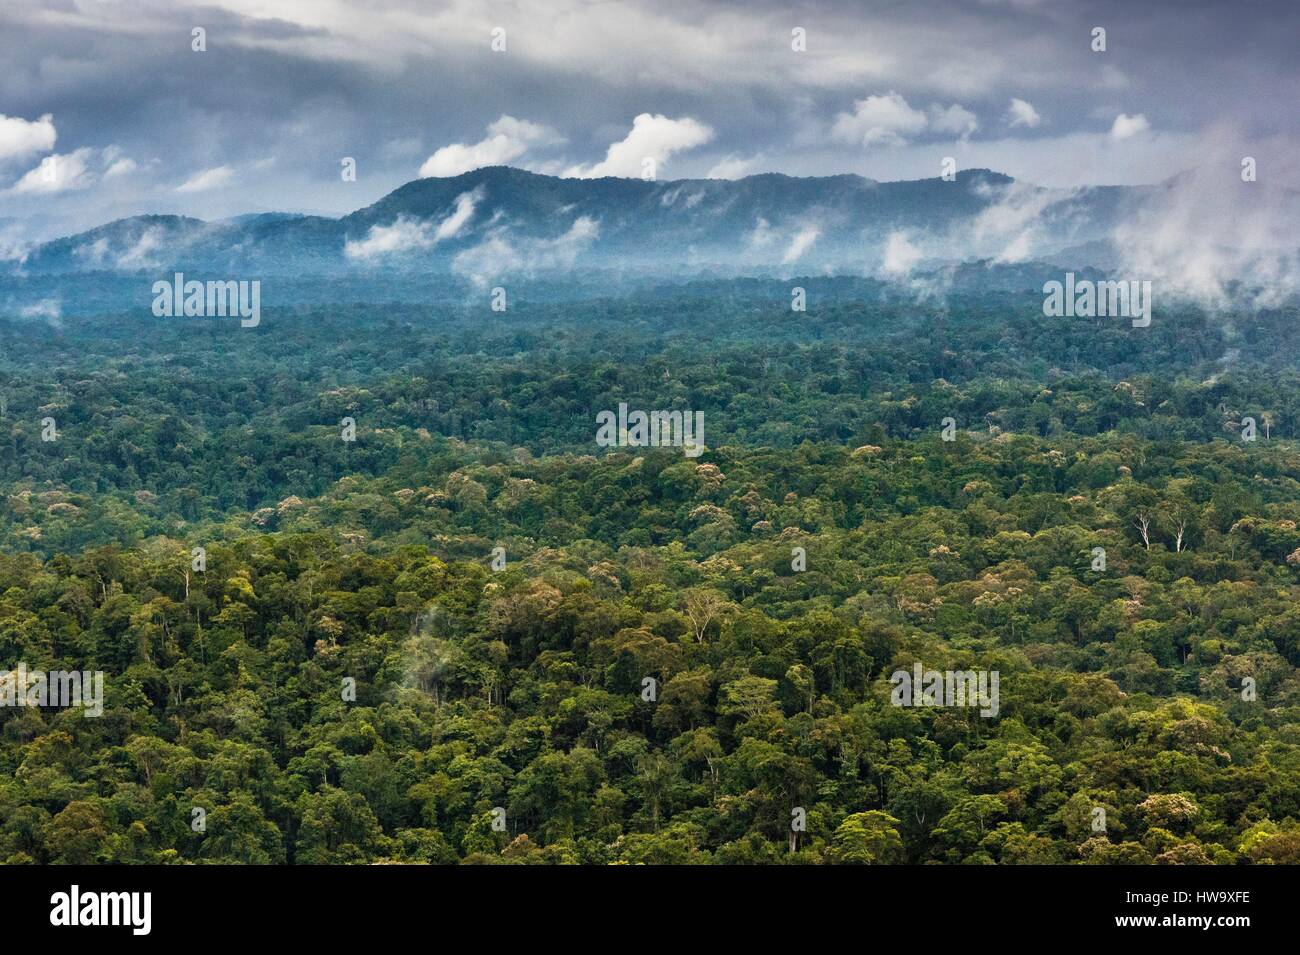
499 221
496 588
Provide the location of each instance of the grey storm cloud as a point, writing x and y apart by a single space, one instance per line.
285 90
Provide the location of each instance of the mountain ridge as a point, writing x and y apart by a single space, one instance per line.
455 237
692 223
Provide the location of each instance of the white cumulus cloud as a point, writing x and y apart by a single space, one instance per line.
655 137
207 179
58 173
879 121
953 119
116 163
507 139
20 138
121 167
735 167
1126 126
889 120
1022 113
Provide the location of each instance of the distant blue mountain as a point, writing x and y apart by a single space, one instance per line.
498 221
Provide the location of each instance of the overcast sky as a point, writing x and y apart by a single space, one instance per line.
106 109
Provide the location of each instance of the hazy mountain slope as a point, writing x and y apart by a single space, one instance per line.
514 220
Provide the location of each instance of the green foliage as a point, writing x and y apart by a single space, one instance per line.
502 717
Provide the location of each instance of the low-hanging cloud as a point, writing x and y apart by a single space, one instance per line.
1213 237
14 244
50 309
735 167
407 234
502 253
800 244
900 255
140 255
1014 227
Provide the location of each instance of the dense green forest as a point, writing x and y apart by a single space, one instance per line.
827 537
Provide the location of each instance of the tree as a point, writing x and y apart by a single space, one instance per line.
702 606
867 838
78 834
